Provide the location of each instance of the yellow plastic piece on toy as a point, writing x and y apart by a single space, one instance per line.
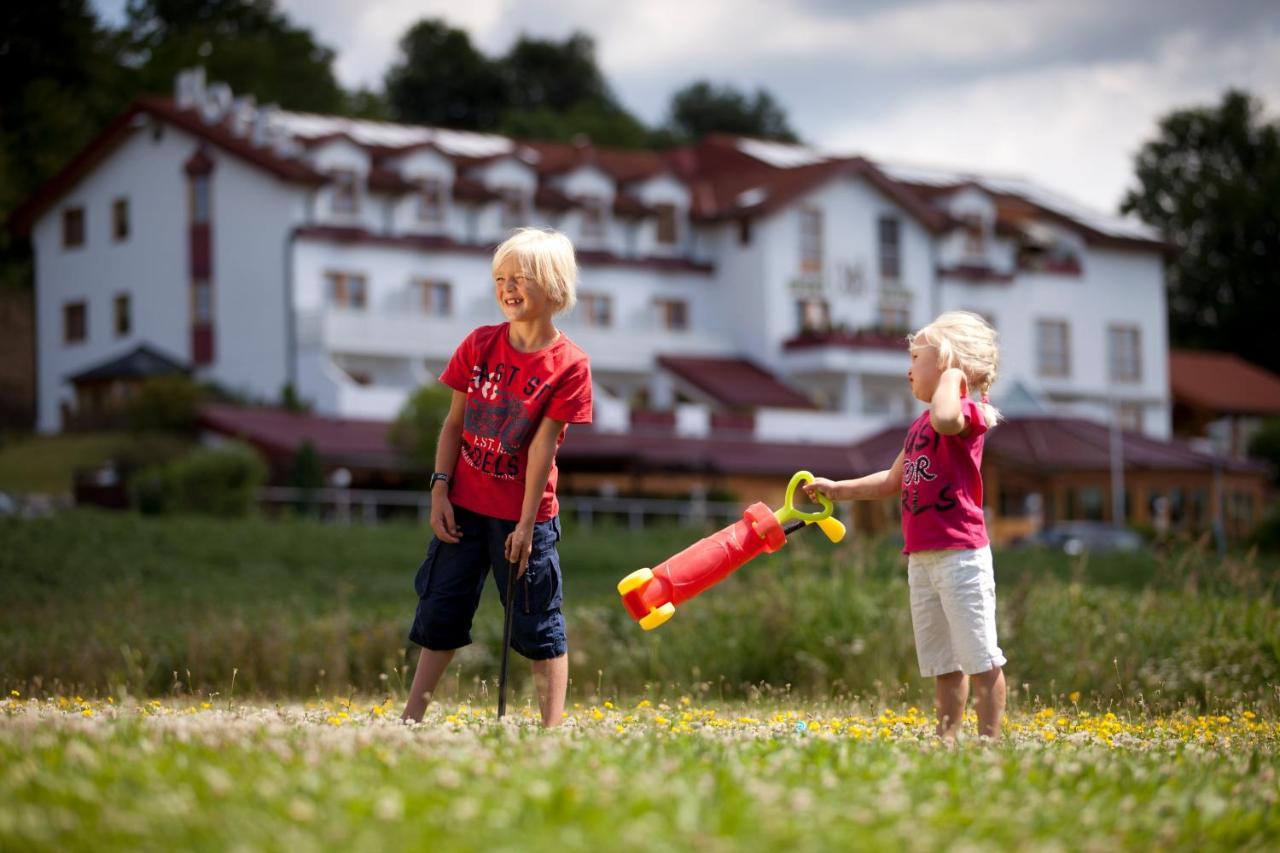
833 527
635 580
789 512
658 616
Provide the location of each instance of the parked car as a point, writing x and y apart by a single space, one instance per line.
1077 537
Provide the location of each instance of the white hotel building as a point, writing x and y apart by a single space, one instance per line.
735 282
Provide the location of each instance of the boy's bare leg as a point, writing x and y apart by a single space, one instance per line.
551 680
952 694
431 666
988 696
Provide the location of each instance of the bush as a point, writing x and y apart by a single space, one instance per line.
214 481
165 404
417 428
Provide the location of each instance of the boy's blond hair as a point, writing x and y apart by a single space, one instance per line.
546 256
965 340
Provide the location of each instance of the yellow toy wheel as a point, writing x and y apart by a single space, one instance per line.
635 580
657 617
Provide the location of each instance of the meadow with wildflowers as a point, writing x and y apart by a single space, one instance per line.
198 684
109 774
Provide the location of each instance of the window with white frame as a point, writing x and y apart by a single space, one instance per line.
596 309
673 314
667 230
123 319
592 217
434 297
889 232
1124 353
975 237
431 201
73 227
513 206
1053 348
347 290
120 219
894 317
75 322
346 197
810 240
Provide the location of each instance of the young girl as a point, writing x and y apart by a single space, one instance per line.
516 387
938 475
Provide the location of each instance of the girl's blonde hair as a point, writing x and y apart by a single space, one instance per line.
965 340
546 256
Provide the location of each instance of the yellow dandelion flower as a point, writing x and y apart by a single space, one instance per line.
87 712
1074 696
608 705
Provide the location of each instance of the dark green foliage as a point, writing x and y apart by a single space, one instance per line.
1210 179
245 43
441 79
219 481
307 475
703 107
301 606
165 404
1265 445
416 430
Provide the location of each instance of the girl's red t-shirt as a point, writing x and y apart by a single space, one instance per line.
942 485
508 394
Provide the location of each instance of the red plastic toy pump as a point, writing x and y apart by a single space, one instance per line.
651 595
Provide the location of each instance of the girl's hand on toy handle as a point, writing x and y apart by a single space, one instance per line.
519 547
820 486
442 521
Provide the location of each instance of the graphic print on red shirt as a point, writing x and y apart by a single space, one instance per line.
942 485
508 394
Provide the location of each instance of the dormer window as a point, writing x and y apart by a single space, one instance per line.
592 218
975 238
667 231
431 201
513 207
345 194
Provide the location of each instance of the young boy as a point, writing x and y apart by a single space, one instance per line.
516 386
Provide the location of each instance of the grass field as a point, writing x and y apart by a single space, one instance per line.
80 775
44 464
186 683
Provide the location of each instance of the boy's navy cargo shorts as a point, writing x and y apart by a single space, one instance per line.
452 576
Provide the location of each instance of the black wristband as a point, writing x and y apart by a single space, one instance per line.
438 477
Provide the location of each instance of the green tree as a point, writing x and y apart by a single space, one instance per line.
703 107
416 430
245 43
441 79
61 83
555 75
1210 180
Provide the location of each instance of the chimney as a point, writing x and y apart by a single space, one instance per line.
263 120
243 115
217 101
188 88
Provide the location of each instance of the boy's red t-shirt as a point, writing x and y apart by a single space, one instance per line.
942 485
508 394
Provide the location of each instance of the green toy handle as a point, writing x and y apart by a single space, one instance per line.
788 512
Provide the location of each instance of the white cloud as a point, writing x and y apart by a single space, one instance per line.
1075 129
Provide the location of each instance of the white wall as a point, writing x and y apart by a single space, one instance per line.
253 214
151 265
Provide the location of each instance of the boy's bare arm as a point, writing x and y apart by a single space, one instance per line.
442 519
946 415
881 484
542 453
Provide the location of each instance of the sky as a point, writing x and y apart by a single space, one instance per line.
1063 92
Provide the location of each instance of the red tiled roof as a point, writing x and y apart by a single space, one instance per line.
623 165
735 382
1051 445
1223 382
585 448
124 125
360 443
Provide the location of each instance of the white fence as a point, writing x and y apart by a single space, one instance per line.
370 506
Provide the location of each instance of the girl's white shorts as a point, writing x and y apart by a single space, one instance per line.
953 611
